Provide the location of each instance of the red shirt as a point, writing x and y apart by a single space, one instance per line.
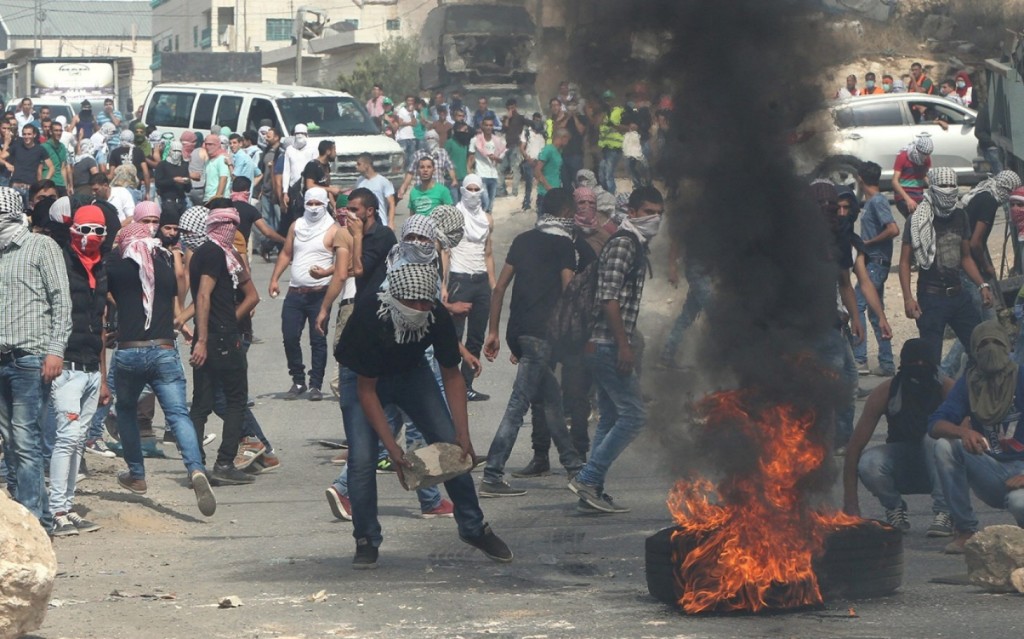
911 176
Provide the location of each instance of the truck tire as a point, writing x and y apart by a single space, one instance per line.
859 562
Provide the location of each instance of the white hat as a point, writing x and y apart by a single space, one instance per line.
301 128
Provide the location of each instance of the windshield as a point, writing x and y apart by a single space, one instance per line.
327 115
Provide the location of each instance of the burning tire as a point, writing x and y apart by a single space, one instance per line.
861 561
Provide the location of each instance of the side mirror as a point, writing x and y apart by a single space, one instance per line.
970 120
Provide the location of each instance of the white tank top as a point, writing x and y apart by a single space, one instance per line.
310 252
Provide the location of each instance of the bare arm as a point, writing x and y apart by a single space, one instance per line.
202 303
455 393
874 408
493 344
867 288
268 232
284 258
910 305
980 252
849 297
888 232
366 391
342 258
489 255
972 272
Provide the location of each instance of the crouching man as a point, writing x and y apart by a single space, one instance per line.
905 464
986 455
381 352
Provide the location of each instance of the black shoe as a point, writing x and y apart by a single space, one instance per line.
366 555
228 475
169 437
499 489
491 545
538 467
295 391
474 396
315 395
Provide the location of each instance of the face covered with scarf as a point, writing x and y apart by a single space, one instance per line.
192 227
942 190
920 149
472 199
221 225
88 229
127 139
135 243
586 209
175 153
147 213
12 217
409 300
991 374
417 244
450 225
300 137
315 203
433 140
188 143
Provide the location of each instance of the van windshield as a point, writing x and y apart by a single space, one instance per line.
327 115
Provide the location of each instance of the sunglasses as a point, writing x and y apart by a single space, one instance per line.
90 229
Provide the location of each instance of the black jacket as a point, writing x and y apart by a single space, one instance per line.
87 306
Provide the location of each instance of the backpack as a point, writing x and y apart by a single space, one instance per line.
575 314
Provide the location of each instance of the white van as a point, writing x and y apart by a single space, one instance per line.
241 106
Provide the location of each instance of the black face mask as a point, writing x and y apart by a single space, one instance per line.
463 137
456 104
919 372
538 126
167 240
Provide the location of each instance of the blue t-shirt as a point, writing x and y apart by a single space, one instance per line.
1005 440
876 216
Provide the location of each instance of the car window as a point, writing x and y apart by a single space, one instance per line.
227 111
170 109
260 109
880 114
204 112
928 111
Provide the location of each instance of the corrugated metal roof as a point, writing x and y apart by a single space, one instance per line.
79 18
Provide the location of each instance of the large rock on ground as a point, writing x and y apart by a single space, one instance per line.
28 567
992 555
1017 577
434 464
939 27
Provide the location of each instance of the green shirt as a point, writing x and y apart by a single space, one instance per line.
460 157
552 159
424 202
59 156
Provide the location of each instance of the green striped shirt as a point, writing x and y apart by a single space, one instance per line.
35 302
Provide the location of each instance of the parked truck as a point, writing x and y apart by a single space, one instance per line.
71 80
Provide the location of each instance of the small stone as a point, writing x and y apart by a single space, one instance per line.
1017 578
27 571
433 465
230 602
992 555
548 560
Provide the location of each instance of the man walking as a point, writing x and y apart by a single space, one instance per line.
296 157
428 194
622 270
35 323
488 150
379 186
309 249
548 169
444 170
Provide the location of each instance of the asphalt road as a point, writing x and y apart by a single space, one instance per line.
157 569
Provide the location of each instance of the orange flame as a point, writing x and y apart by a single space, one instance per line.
748 543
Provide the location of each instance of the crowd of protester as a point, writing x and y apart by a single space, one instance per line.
958 89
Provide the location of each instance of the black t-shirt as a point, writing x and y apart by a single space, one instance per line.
538 259
320 174
247 216
585 254
368 347
514 130
112 221
26 160
209 259
376 246
575 144
949 235
642 118
166 187
982 208
125 286
116 158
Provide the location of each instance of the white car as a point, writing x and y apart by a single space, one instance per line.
875 128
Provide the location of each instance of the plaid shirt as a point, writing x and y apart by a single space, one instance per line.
443 166
616 281
35 301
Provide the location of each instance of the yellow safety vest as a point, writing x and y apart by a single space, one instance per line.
610 138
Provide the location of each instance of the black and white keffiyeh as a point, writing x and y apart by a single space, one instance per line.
449 223
408 282
940 200
12 216
552 225
1000 186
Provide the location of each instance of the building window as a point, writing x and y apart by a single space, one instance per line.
280 28
393 25
175 43
195 37
351 22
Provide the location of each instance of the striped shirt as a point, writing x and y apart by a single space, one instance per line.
35 301
443 166
619 277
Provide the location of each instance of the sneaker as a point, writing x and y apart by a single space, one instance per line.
208 439
82 525
942 526
538 467
491 545
444 509
227 475
897 517
840 451
268 463
340 505
474 396
295 391
862 369
137 486
883 372
62 527
204 494
315 395
99 447
585 508
247 455
385 466
498 489
169 437
956 547
366 555
591 495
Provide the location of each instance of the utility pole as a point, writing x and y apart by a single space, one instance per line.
300 35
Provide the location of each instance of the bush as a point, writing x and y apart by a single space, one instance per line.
396 66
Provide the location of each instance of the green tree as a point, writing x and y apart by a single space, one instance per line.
396 66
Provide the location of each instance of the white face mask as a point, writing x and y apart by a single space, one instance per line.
418 252
299 142
315 213
174 157
472 199
647 225
432 144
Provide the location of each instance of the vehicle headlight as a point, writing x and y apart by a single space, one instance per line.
397 162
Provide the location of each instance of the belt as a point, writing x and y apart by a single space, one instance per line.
6 357
147 343
878 260
350 300
472 277
84 368
945 291
304 290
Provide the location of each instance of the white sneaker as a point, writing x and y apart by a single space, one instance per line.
208 439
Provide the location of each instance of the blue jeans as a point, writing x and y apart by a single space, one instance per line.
892 470
571 165
430 498
836 355
960 471
22 401
938 311
298 310
952 363
414 391
271 213
623 414
534 380
74 397
161 369
698 295
490 191
527 170
878 273
409 149
610 159
99 418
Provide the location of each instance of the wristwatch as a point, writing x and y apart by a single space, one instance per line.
985 285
